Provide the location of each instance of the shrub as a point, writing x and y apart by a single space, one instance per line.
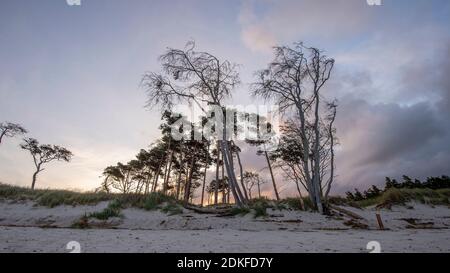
82 223
239 211
172 209
293 203
113 210
260 211
153 200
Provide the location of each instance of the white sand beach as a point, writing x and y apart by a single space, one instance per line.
25 227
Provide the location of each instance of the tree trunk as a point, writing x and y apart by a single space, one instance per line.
224 197
305 158
1 136
216 186
230 172
158 172
203 187
238 189
330 130
147 183
316 177
242 175
167 176
204 177
168 162
179 176
34 179
272 176
302 203
187 188
259 188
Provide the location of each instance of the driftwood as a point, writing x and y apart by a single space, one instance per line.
208 210
347 212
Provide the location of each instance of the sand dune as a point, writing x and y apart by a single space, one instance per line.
25 227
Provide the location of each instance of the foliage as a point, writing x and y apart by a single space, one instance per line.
9 129
113 210
43 154
154 200
52 198
239 211
82 223
433 183
172 208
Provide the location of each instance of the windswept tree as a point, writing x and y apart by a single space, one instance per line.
9 129
262 141
43 154
294 80
197 78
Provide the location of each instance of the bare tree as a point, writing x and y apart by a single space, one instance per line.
195 77
294 80
43 154
9 129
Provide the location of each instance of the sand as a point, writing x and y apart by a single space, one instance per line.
25 227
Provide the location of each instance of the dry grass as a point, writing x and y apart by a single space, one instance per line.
402 196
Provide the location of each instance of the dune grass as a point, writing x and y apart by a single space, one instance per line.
402 196
54 198
171 206
113 210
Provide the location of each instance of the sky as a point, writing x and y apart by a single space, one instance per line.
71 74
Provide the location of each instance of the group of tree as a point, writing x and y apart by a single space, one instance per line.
294 80
178 167
42 154
434 183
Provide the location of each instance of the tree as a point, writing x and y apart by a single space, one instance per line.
294 80
43 154
9 129
237 150
253 179
112 176
261 141
195 77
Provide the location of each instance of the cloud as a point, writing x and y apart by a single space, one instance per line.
391 139
391 78
266 23
258 39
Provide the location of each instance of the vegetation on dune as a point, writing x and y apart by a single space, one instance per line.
113 210
402 196
53 198
434 191
172 209
82 223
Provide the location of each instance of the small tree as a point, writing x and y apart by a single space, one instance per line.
43 154
9 129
